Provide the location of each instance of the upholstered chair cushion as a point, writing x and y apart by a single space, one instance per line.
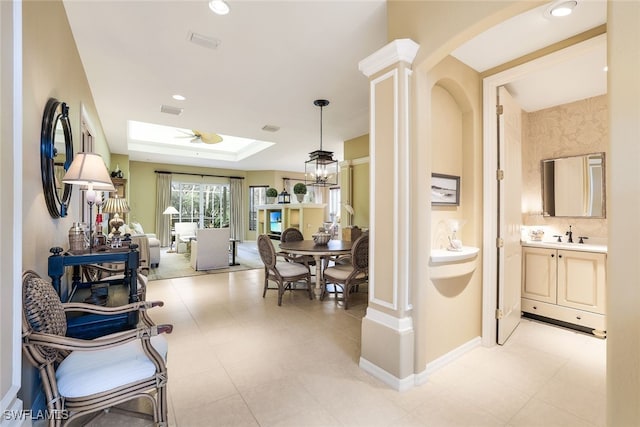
84 373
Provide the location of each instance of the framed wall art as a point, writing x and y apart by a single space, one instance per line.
445 190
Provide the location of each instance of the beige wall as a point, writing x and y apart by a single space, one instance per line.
51 68
142 188
454 148
356 152
580 127
438 27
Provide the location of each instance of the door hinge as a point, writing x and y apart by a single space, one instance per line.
499 174
499 110
499 242
499 314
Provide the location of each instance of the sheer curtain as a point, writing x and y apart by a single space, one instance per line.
163 201
236 212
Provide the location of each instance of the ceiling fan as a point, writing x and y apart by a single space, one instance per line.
206 137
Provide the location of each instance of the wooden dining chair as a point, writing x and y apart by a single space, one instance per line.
284 273
349 276
292 234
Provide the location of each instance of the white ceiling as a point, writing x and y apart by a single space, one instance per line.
569 79
274 59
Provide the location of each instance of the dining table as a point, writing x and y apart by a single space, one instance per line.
320 253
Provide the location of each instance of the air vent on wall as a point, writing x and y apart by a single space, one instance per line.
171 110
204 41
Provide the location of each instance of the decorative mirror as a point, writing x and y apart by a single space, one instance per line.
574 186
56 155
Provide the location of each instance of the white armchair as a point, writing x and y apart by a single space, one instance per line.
185 232
210 250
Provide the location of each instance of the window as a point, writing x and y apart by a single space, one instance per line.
257 196
204 203
334 202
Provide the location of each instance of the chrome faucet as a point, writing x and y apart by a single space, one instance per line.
570 234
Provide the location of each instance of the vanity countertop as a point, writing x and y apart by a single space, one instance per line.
583 247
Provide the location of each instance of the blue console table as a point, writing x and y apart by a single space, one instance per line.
90 326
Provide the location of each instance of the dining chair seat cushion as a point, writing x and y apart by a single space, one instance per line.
341 272
84 373
289 269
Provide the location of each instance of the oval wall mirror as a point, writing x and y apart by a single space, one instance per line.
56 154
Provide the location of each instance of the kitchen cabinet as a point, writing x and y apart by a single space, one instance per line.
565 285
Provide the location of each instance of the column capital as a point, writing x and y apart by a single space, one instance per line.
396 51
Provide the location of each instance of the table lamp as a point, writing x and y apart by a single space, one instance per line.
115 205
89 169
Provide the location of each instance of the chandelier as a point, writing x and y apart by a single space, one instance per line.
321 170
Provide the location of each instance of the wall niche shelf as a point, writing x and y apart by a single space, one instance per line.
447 264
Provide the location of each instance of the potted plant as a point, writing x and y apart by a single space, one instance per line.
300 190
272 194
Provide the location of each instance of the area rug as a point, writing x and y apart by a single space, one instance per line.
174 265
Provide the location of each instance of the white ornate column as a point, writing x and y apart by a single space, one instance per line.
388 339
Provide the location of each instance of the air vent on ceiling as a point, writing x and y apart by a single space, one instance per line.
270 128
204 41
171 110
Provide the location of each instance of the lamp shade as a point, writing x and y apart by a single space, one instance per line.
88 169
170 211
116 205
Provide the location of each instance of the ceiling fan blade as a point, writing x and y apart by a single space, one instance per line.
208 137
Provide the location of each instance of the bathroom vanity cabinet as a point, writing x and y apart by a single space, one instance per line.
565 285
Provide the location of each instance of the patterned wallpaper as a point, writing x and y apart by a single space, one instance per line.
579 127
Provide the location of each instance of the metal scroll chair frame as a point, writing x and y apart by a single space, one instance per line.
283 273
46 347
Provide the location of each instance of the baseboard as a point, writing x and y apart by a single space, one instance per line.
399 384
449 357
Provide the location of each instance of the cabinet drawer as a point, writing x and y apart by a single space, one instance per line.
565 314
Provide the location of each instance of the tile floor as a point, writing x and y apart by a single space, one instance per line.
236 359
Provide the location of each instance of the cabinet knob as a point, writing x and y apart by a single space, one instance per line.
578 317
552 255
559 256
535 307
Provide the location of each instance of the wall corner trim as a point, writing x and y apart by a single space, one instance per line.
396 51
402 324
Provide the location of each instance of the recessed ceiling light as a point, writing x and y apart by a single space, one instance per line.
219 7
178 97
270 128
605 68
562 8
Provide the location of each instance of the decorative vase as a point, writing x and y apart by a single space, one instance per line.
300 197
271 200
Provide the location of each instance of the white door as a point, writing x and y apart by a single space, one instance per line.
509 215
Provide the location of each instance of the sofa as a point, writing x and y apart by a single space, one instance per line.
135 229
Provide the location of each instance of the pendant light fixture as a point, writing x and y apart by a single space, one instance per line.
321 170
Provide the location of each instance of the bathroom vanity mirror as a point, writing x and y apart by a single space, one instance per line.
56 154
574 186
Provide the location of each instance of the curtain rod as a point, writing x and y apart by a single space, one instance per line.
200 174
